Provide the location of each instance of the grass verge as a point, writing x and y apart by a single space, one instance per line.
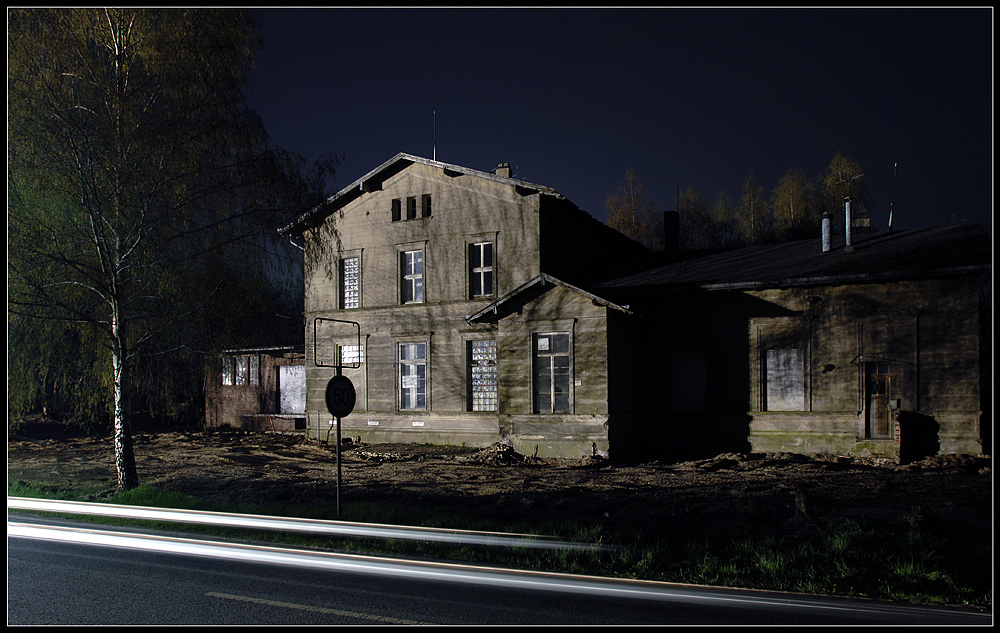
908 561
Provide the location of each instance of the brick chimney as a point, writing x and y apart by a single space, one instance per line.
503 170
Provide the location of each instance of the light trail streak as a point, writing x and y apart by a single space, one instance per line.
314 526
493 577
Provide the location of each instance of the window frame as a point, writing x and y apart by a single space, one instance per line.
343 282
479 273
397 210
416 362
536 408
425 205
469 345
409 281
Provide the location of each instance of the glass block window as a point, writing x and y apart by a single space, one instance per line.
482 375
413 376
350 283
352 354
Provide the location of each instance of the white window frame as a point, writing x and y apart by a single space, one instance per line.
479 272
403 377
409 279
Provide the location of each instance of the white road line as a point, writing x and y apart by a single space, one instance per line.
306 607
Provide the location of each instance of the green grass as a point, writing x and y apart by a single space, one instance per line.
905 561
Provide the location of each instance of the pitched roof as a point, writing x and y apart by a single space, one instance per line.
937 251
372 181
531 289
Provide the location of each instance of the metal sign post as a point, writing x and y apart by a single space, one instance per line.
340 393
340 399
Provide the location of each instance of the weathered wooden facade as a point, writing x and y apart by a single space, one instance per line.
259 389
469 307
472 324
878 349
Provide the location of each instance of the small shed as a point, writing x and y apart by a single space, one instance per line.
261 389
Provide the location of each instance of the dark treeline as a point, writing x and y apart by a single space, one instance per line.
791 209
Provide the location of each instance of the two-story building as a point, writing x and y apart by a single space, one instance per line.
473 322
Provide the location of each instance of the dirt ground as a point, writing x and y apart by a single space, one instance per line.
770 493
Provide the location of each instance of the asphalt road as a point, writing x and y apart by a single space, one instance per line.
134 579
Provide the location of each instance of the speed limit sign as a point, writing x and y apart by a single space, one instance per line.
340 396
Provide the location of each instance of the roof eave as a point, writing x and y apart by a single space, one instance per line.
315 216
493 309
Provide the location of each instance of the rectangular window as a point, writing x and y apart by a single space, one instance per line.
482 375
253 369
411 208
397 210
241 370
785 380
425 206
350 283
481 269
227 370
412 265
551 373
413 376
352 354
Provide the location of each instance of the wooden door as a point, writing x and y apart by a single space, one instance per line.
879 390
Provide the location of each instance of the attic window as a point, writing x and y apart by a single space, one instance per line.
412 210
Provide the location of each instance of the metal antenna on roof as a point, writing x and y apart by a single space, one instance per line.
435 148
892 201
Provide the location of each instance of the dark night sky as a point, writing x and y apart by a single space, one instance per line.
571 98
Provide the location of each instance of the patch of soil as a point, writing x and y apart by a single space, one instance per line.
774 493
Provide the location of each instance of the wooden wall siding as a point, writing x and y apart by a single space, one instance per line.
465 210
558 310
928 332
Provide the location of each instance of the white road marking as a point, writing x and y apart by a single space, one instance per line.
306 607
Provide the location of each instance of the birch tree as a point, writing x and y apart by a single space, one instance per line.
794 206
752 218
131 158
632 214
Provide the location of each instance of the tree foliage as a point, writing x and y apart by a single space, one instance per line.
844 178
793 210
794 205
753 222
632 214
143 197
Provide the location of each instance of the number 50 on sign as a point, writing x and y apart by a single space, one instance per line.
340 396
